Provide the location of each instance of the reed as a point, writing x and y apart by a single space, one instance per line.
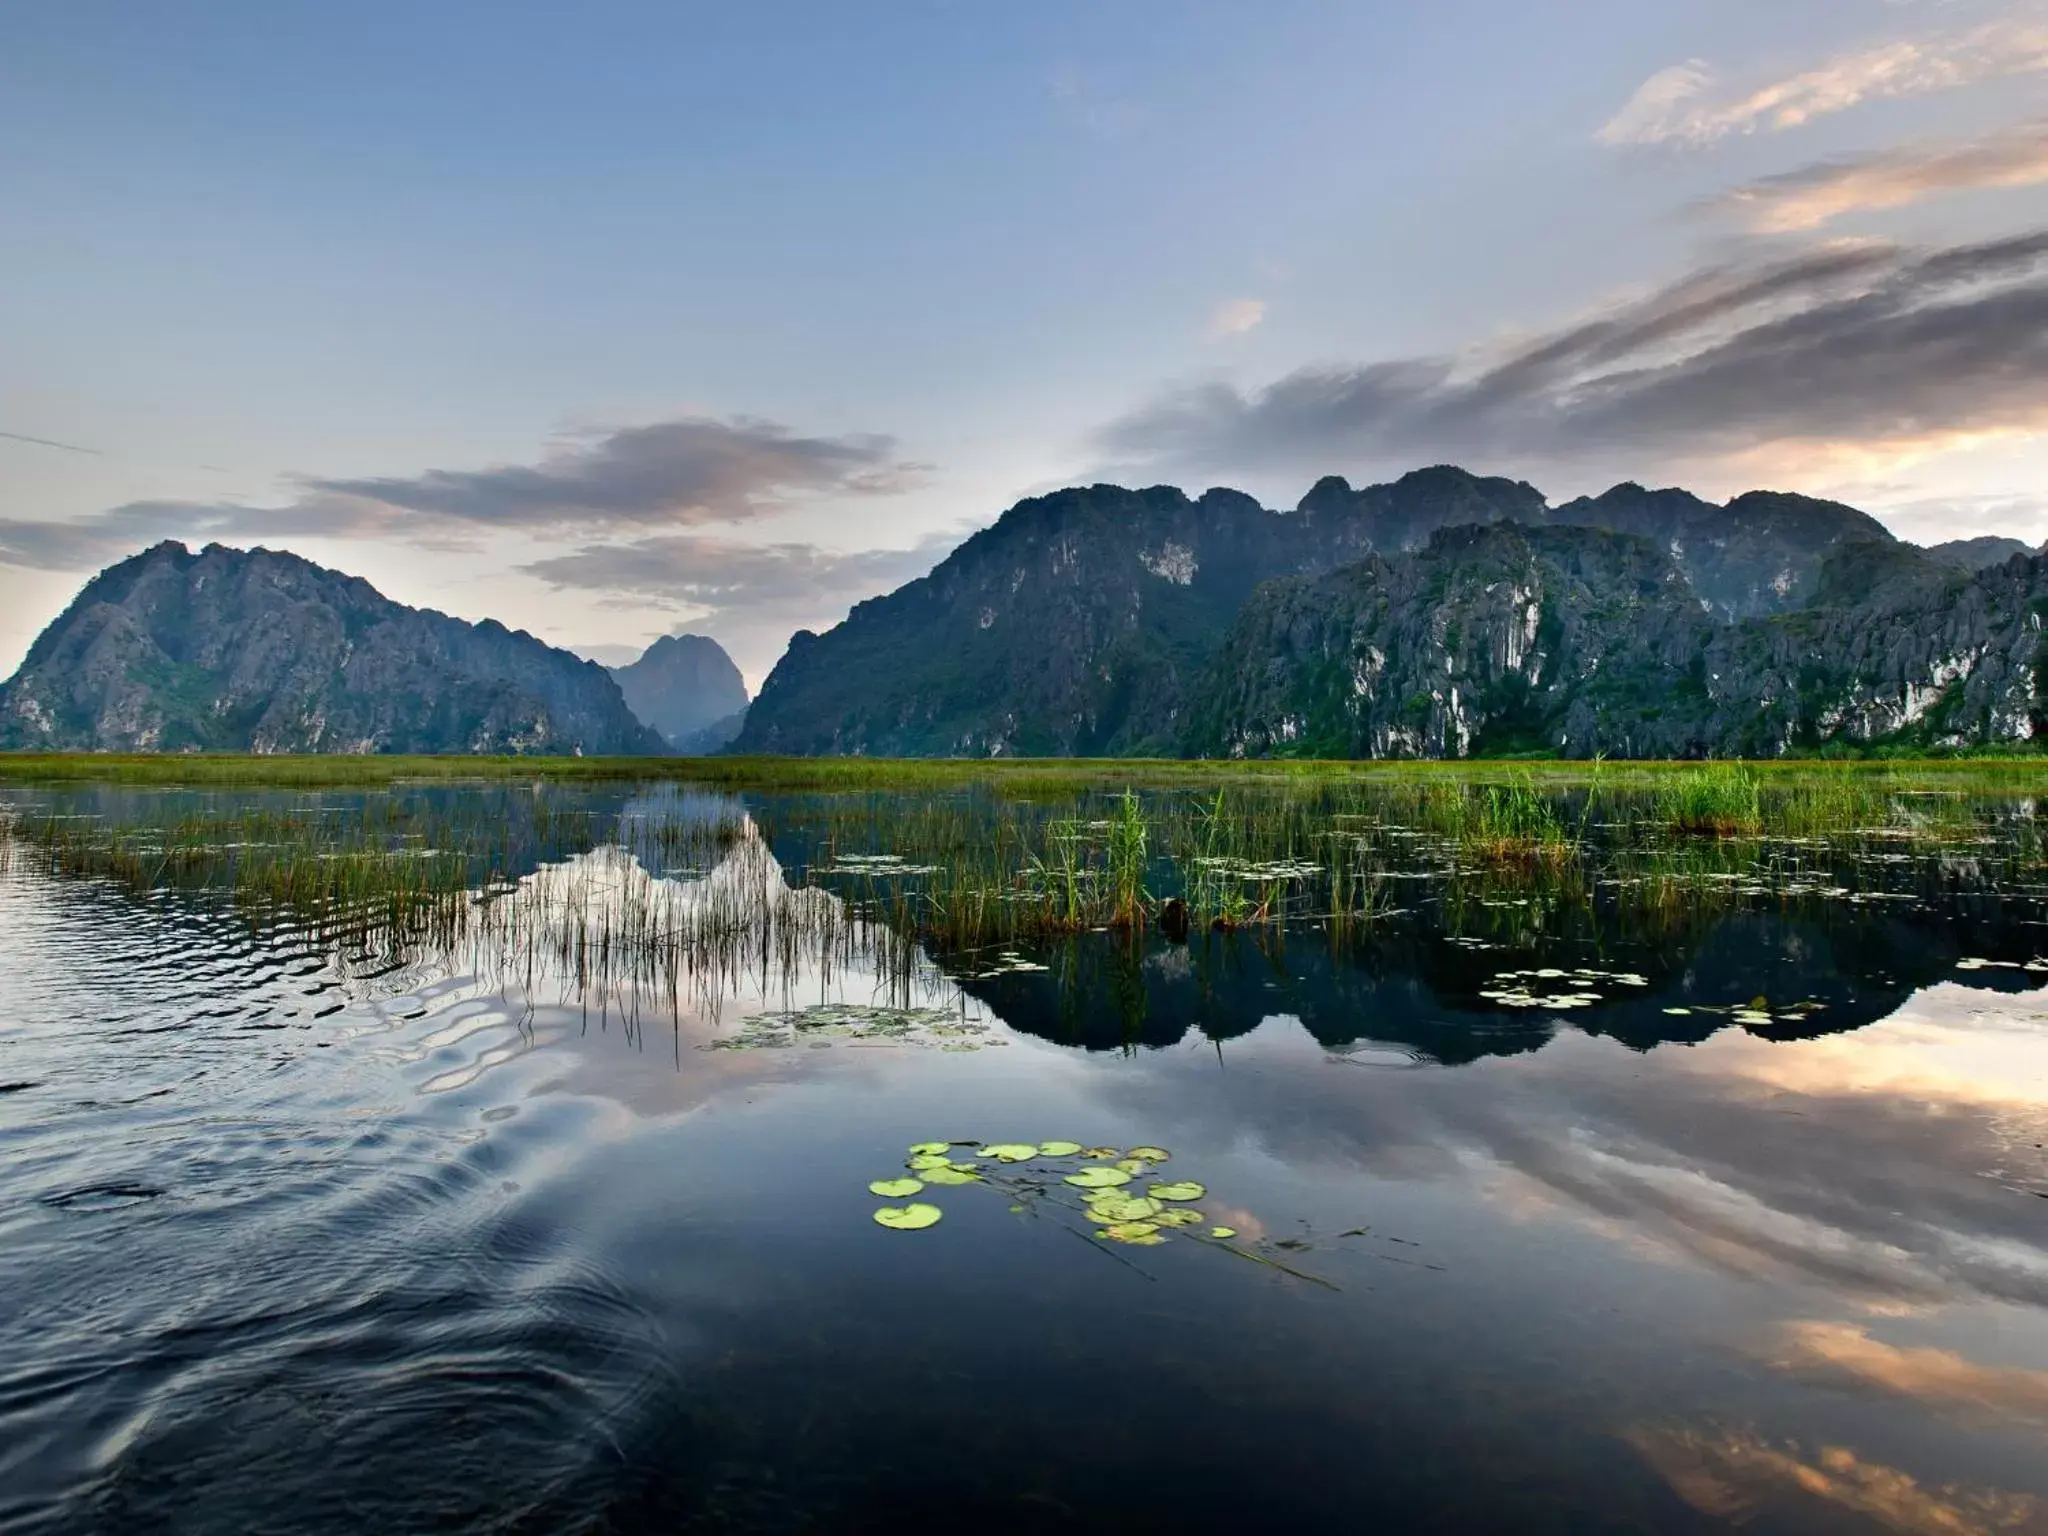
1717 800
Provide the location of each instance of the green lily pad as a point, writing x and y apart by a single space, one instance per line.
1122 1207
947 1176
1011 1152
926 1160
1098 1178
895 1189
1187 1189
908 1218
1179 1216
1099 1152
929 1148
1058 1148
1220 1233
1138 1233
1130 1165
1151 1154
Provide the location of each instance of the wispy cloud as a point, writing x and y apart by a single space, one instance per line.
690 472
1684 104
1234 317
1868 345
1843 1352
695 470
1812 195
1729 1474
50 442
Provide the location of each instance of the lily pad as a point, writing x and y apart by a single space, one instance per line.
930 1160
1011 1152
1127 1207
1130 1165
1058 1148
908 1218
1179 1216
895 1189
929 1148
1099 1153
1137 1233
1221 1233
946 1176
1098 1178
1151 1154
1186 1189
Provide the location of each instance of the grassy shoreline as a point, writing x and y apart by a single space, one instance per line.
858 773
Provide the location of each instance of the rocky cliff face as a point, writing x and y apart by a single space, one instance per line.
1086 621
1076 625
687 688
1760 553
257 651
1504 638
1490 638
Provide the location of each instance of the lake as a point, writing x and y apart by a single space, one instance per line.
1615 1175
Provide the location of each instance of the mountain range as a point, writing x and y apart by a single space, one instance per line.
1444 613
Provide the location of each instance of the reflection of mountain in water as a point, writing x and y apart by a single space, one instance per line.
1408 985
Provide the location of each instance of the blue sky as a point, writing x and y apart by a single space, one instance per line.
637 318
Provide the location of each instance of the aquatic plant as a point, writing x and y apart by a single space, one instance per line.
1717 800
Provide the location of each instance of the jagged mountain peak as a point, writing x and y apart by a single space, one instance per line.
262 650
687 688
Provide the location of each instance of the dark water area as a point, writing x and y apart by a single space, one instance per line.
1549 1214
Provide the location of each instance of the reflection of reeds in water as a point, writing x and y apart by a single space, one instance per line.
681 896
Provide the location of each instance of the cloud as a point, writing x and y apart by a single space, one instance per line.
695 470
1680 105
50 442
689 472
1809 197
1864 345
1659 102
1236 316
1727 1474
1844 1352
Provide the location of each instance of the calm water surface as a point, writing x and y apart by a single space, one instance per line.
290 1245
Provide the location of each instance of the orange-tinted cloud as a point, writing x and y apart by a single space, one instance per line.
1843 1352
1730 1474
1681 104
1812 195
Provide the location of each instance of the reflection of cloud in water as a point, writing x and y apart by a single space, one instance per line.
1843 1354
1731 1474
1889 1165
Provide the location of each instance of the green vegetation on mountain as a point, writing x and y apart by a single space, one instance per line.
231 650
1442 614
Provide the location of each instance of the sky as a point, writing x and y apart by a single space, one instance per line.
633 319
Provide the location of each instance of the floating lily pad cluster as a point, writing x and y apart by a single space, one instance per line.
1757 1011
878 865
1118 1190
828 1024
1255 870
1551 987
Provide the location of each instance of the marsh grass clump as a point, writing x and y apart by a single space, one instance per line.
1716 800
1512 823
